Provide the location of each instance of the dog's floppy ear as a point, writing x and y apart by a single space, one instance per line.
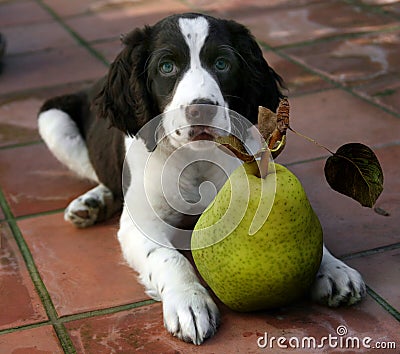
260 85
123 98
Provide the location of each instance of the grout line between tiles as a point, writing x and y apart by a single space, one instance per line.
42 213
18 145
106 311
75 35
382 302
24 327
370 252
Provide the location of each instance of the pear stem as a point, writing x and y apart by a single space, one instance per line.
263 164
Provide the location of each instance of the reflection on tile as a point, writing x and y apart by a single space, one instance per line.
369 64
290 25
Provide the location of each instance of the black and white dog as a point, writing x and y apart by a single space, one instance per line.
182 60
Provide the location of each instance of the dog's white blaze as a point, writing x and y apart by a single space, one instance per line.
195 32
196 83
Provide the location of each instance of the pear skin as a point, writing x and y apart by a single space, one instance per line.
259 243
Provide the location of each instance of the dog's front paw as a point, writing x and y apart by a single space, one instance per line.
83 211
337 284
190 314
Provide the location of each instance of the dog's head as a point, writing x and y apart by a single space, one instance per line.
188 59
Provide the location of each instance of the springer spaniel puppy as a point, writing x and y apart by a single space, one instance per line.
182 60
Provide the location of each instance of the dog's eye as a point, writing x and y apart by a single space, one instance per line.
221 64
168 67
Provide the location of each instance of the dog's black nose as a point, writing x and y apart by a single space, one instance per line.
201 111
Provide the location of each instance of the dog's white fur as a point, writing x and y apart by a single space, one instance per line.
189 311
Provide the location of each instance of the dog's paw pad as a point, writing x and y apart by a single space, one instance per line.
83 212
191 315
338 284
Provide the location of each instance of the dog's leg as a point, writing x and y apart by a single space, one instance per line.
189 312
61 135
336 283
63 138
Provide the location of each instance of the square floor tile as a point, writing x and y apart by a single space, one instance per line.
82 269
46 68
334 118
141 330
19 302
18 122
384 90
71 7
349 227
226 8
33 181
76 7
35 37
369 64
353 60
21 12
111 23
31 341
296 78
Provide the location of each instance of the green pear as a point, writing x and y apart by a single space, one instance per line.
259 243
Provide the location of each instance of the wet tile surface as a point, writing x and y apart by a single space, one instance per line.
280 27
369 63
19 302
339 60
62 252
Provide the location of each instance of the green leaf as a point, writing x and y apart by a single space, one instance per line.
354 170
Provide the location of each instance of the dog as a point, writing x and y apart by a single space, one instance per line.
183 61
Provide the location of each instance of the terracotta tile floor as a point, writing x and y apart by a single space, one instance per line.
68 290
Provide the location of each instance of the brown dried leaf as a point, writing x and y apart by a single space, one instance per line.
272 127
277 138
232 143
267 122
